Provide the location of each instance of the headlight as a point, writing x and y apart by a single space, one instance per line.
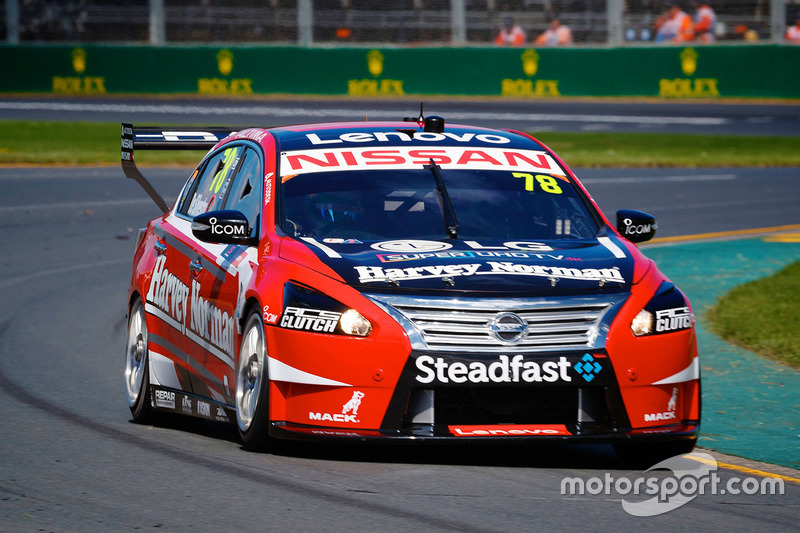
642 323
666 312
306 309
352 323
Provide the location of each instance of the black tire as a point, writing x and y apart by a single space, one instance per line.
252 386
137 366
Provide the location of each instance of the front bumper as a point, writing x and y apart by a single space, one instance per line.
511 399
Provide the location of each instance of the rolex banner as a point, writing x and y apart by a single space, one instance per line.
706 72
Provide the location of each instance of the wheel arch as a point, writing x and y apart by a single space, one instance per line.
250 303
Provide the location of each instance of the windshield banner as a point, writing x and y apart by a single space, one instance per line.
337 159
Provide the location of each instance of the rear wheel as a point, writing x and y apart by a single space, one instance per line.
252 386
137 365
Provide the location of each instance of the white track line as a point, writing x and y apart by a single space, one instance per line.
273 111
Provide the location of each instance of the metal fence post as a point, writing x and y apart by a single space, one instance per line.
305 23
157 23
777 19
614 15
12 21
458 22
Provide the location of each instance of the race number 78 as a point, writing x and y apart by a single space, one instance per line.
546 183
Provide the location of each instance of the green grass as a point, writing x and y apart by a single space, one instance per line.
74 143
92 143
672 150
763 316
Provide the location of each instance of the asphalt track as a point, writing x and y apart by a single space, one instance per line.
70 459
528 115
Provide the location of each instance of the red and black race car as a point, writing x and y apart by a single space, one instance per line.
402 280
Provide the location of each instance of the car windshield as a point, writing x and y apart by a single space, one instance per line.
404 204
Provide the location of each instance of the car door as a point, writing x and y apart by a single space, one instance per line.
166 303
219 272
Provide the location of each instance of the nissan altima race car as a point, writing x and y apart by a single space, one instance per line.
409 280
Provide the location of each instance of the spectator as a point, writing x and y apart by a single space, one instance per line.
675 25
556 35
793 33
511 34
705 24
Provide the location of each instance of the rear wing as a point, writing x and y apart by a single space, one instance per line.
160 138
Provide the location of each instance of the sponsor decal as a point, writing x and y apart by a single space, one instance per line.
225 61
529 87
327 432
375 62
186 404
167 292
688 87
373 87
369 274
78 84
673 401
673 319
523 87
222 86
401 157
451 254
509 430
689 61
204 409
235 228
165 399
504 370
341 241
422 247
254 134
588 368
310 319
78 60
530 62
269 318
411 246
636 229
233 254
221 416
353 404
348 414
394 136
669 414
267 189
192 315
225 86
654 417
211 323
367 87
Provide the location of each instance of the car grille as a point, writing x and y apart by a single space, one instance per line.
445 324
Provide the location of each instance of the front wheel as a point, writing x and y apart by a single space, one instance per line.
137 366
252 386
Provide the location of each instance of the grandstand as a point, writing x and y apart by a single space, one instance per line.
342 22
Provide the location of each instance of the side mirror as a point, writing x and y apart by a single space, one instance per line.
636 226
222 227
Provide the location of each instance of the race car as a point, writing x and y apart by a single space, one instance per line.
398 281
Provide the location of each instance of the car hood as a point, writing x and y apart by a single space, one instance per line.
495 266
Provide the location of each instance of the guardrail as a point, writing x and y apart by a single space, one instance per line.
767 71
